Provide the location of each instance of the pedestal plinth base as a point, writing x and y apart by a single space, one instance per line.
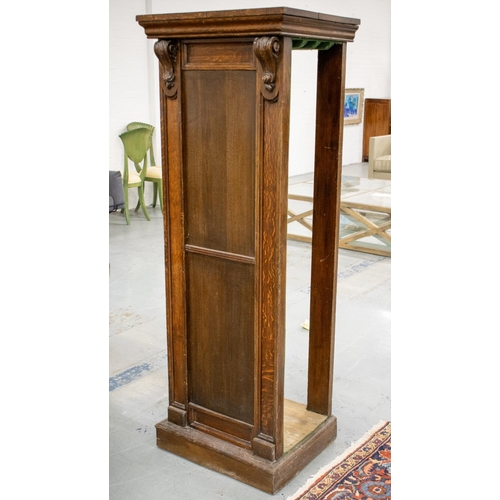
241 464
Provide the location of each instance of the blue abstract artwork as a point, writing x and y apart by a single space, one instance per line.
351 105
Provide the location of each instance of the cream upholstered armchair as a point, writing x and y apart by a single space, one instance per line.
379 157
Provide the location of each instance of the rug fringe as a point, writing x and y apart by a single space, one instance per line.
338 459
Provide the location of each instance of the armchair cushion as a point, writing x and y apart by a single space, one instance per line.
379 157
382 164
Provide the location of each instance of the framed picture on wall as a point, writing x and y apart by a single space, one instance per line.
353 106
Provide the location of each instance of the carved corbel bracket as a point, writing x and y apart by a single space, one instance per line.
268 51
166 51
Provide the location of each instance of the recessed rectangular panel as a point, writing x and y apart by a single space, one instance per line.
219 160
221 335
236 54
216 424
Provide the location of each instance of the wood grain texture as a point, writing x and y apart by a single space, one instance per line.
255 22
219 159
376 121
220 425
234 54
221 335
298 423
275 122
326 216
171 142
240 464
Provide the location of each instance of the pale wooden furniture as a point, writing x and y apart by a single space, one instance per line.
365 215
376 121
225 110
366 221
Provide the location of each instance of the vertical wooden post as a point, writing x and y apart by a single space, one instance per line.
326 215
274 136
171 123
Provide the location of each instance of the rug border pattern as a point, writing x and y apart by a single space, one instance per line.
347 461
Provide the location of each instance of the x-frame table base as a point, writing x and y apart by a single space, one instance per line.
358 222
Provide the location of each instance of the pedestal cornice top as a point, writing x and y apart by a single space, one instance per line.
282 21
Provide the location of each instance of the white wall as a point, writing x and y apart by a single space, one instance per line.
129 86
134 70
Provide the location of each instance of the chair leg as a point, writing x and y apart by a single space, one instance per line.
138 202
125 208
155 193
160 194
143 204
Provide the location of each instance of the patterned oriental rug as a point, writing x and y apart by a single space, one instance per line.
362 472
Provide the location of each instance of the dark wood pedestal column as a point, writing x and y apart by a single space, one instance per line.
225 110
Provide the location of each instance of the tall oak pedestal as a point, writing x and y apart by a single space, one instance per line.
225 109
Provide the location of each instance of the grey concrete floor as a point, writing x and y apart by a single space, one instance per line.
138 385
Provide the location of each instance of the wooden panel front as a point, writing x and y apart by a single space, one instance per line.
221 335
234 54
220 240
377 121
219 160
219 425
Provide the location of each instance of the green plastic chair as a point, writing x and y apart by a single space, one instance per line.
136 146
153 173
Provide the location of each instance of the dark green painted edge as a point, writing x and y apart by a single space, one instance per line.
311 44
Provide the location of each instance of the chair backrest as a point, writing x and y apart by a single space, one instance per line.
136 145
136 125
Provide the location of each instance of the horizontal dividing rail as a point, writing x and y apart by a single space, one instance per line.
245 259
